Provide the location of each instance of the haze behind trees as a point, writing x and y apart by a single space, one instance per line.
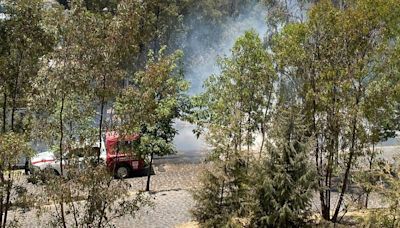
320 87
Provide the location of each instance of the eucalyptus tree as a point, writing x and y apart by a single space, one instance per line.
61 91
235 106
23 44
160 23
338 61
81 73
244 90
149 106
112 38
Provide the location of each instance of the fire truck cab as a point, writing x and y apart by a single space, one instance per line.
120 157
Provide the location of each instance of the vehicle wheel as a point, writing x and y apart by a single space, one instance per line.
123 172
54 171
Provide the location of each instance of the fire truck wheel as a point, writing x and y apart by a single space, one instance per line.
123 172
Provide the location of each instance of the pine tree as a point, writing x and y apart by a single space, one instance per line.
284 181
223 198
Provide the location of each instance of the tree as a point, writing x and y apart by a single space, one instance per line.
244 91
235 106
82 70
150 105
284 182
12 147
335 70
22 46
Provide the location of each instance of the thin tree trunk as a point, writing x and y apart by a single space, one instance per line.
4 112
61 134
221 199
75 212
102 214
2 200
15 92
370 170
14 102
100 129
325 211
101 118
61 159
263 123
348 166
149 172
8 196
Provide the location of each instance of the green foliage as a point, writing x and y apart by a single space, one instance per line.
337 94
82 72
22 45
152 102
284 181
223 198
149 105
389 189
13 146
334 61
90 196
235 106
240 97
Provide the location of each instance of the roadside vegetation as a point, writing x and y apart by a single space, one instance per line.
291 115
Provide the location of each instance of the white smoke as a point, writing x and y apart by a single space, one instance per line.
201 62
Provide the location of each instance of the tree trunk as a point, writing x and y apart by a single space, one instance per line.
263 123
325 210
100 128
101 116
61 159
348 166
14 102
221 197
370 170
1 201
4 112
149 173
8 196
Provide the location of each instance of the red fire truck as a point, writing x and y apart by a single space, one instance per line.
120 158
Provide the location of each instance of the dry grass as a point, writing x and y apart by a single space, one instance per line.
188 225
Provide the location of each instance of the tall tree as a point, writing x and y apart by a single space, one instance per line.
284 182
234 108
335 70
23 44
150 105
81 73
